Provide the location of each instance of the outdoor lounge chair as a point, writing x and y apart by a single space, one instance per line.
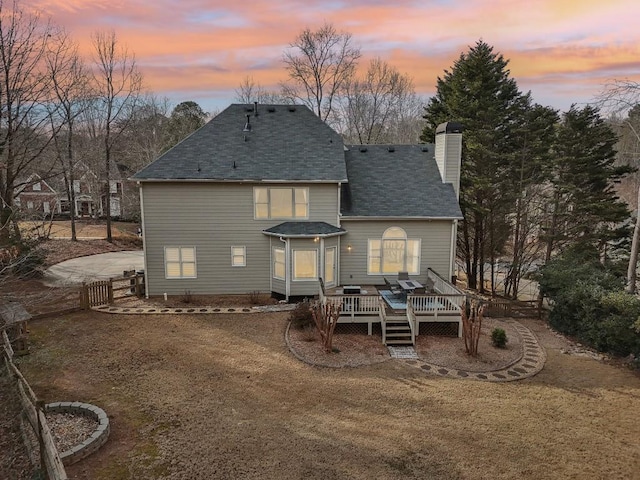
394 289
403 275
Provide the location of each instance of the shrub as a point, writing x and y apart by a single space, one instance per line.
499 338
301 317
254 297
187 297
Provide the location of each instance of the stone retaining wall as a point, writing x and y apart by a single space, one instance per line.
97 438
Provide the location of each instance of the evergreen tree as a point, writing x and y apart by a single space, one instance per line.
186 118
586 209
479 93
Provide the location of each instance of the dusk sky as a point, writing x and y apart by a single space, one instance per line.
564 51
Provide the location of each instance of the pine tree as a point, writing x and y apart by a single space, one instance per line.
479 93
586 208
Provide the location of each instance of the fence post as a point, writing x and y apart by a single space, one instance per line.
43 463
110 290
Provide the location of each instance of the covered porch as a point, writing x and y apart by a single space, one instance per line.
401 315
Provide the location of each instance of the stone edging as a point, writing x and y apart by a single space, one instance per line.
97 438
190 310
530 363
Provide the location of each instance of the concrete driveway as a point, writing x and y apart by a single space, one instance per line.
93 267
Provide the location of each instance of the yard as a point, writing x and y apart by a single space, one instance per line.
220 396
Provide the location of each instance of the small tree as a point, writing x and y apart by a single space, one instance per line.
326 317
472 325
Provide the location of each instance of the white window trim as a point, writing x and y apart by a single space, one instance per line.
293 265
243 255
195 263
293 203
284 263
381 239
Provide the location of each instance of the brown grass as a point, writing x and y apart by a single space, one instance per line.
221 397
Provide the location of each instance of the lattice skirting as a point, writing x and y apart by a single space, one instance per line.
357 329
442 329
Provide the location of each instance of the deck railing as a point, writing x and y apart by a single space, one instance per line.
441 285
354 304
383 320
431 304
413 322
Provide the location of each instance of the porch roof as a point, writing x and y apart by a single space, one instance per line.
304 230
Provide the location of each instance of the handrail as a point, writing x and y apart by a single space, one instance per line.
411 316
441 285
436 303
382 312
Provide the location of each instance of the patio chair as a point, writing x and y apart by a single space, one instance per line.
394 289
403 275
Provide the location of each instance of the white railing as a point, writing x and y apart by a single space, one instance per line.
413 323
431 304
355 304
441 285
383 320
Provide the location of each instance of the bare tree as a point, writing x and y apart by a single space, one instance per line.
622 98
69 80
249 91
319 63
375 109
24 90
118 83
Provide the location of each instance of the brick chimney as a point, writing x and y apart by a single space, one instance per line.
449 153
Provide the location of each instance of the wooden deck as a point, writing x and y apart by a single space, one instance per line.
444 304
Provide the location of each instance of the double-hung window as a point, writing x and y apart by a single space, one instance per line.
180 262
393 253
238 256
281 202
279 263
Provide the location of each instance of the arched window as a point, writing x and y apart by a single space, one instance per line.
394 253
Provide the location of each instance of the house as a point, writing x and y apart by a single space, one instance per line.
36 197
268 198
89 196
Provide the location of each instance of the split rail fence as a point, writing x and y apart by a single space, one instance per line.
50 461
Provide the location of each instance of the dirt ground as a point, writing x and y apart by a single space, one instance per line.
221 397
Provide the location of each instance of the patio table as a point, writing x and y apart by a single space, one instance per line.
409 285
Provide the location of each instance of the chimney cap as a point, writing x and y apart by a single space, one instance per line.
449 127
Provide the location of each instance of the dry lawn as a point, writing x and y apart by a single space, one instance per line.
221 397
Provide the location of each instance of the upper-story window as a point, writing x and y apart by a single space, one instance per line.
281 202
37 187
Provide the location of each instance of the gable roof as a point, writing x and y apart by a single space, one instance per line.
282 143
396 181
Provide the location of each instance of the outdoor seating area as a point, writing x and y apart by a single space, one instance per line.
408 302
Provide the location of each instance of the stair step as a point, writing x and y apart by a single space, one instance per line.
398 327
399 342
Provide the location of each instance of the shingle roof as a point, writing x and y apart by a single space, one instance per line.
305 229
285 142
396 181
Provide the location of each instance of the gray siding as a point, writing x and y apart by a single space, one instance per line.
213 217
435 247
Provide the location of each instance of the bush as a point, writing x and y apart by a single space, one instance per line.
187 297
499 338
301 317
254 297
588 302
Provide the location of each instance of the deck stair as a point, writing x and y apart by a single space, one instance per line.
398 331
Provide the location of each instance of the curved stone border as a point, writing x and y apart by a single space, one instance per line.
531 362
190 310
97 438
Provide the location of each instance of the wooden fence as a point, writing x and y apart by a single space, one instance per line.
50 461
103 292
502 307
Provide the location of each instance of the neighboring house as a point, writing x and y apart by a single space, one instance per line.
37 197
90 198
268 198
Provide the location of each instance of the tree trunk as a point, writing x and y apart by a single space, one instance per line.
633 257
